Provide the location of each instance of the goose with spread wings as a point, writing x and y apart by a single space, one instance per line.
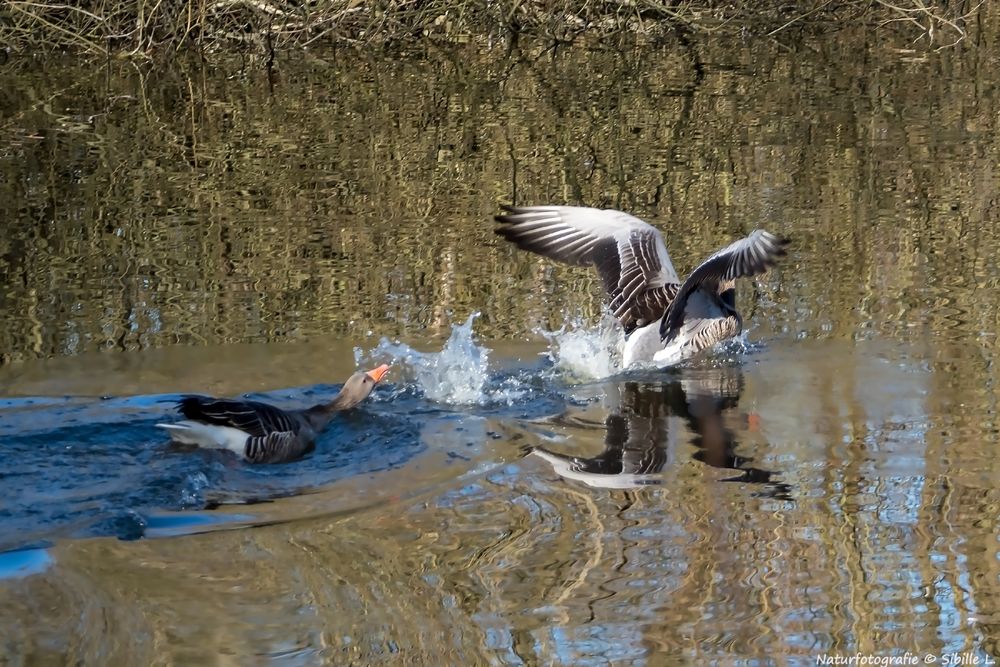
665 320
262 433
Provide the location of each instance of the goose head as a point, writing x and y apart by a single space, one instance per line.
359 386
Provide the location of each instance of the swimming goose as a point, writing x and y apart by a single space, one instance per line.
664 319
262 433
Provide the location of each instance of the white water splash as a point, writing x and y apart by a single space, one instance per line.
729 351
192 493
459 374
581 352
587 352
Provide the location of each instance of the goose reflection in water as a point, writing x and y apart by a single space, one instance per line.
638 433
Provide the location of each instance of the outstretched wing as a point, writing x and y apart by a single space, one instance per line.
629 254
747 257
257 419
277 447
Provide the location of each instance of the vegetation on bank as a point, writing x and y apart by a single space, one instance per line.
151 27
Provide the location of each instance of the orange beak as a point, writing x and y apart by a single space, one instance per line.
378 373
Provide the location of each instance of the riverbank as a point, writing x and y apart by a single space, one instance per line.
135 28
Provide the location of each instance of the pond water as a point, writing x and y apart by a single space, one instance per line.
825 485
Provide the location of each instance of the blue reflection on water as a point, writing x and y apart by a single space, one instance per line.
85 467
24 562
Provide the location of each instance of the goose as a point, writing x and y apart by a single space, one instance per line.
262 433
665 320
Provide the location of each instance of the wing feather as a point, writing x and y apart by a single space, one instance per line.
276 447
744 258
257 419
628 253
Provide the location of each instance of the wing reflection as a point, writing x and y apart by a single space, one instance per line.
645 425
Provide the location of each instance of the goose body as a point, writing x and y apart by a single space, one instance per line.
262 433
665 320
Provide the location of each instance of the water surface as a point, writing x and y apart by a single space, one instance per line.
826 485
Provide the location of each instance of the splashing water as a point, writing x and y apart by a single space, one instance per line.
732 349
458 374
585 352
192 493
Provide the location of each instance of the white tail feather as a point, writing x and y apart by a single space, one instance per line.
211 436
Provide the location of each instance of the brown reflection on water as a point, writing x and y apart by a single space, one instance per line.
152 207
146 209
212 369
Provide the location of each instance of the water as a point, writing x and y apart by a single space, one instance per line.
80 467
824 485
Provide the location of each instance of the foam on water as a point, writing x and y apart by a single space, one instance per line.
586 352
458 375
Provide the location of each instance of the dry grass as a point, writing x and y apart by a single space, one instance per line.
149 27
